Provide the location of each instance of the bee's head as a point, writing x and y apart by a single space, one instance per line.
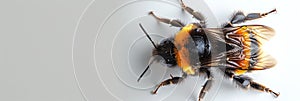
166 50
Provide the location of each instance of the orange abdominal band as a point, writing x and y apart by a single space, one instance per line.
246 50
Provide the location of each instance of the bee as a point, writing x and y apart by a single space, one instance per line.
234 50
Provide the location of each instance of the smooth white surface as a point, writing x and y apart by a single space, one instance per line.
35 54
36 49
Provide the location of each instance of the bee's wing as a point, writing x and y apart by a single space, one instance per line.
264 61
259 32
262 32
215 34
258 59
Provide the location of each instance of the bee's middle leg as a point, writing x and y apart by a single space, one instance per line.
198 15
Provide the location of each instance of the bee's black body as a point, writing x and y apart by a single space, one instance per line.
195 49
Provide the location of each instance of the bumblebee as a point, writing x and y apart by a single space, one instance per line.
234 50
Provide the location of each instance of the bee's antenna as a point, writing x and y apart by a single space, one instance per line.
147 35
150 62
143 73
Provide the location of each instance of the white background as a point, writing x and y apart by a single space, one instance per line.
36 44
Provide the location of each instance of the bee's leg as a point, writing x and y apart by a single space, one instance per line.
175 23
173 80
207 84
205 71
240 17
246 82
195 14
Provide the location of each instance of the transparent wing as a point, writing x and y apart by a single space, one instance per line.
259 58
263 61
243 47
261 32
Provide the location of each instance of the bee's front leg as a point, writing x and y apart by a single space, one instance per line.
175 23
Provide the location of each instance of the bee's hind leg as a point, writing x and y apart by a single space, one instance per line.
173 80
240 17
246 82
175 23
